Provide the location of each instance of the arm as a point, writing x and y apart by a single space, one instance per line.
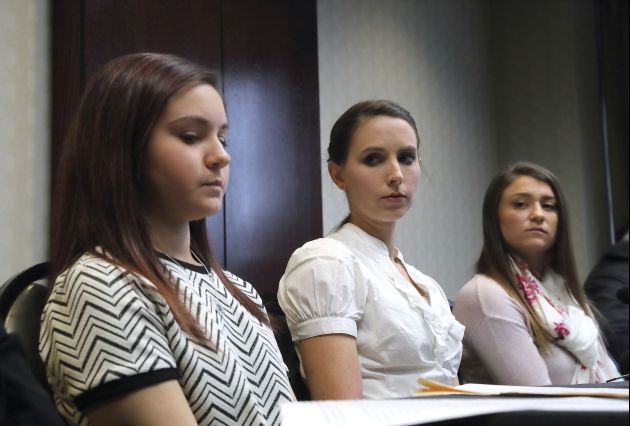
162 404
323 303
509 354
497 332
331 365
104 341
601 286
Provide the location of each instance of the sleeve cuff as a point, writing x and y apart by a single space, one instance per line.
122 386
323 326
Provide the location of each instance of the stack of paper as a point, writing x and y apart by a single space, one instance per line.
473 400
429 387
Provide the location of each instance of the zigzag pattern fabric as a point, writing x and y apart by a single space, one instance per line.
106 332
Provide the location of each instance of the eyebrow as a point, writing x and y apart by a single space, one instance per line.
198 120
379 149
529 194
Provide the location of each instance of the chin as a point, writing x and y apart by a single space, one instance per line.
390 218
212 212
207 211
532 251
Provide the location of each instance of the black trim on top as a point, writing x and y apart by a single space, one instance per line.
195 268
122 386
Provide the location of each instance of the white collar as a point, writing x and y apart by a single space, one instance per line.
360 240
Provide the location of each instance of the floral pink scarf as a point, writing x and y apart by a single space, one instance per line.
561 315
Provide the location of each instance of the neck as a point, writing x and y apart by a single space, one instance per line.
384 231
171 239
537 265
538 271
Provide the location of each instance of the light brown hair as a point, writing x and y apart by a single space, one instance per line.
494 260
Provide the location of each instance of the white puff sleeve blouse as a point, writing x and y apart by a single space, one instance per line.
346 283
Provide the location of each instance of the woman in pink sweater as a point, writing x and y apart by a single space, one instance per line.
528 321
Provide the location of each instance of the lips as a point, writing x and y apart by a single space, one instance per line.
395 195
214 183
537 229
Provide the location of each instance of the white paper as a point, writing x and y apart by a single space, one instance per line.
482 389
399 412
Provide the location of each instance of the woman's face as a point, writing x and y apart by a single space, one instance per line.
381 171
528 218
187 165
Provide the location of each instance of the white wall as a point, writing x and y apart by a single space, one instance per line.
489 83
432 57
24 134
548 106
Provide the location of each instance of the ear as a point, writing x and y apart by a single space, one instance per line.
336 174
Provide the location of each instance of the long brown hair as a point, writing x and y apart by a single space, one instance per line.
494 260
101 175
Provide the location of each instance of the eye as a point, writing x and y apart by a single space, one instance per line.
407 158
549 206
223 141
519 204
372 159
189 137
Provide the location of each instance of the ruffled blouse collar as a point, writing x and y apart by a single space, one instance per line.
364 242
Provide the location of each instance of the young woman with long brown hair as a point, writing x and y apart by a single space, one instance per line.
528 321
142 325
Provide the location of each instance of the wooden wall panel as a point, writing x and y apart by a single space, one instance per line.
66 71
271 89
190 28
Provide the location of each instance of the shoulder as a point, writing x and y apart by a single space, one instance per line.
324 267
92 278
482 293
319 291
324 246
481 284
91 267
320 250
483 299
619 250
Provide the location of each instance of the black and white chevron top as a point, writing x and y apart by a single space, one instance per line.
106 332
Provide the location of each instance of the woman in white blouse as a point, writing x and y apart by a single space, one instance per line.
365 323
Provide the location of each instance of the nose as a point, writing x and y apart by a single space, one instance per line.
394 174
537 215
217 157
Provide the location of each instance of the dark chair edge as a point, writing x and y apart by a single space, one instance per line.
12 287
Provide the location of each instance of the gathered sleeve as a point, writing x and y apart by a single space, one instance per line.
104 334
322 290
498 332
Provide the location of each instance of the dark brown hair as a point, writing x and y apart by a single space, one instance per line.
345 126
494 260
101 175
